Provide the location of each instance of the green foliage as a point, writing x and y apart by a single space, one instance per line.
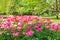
26 7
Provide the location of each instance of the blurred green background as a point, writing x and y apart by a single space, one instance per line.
27 7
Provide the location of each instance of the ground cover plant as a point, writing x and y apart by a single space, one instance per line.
28 28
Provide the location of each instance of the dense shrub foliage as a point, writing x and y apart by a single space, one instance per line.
28 28
26 7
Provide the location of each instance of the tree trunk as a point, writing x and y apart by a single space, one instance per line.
57 9
57 15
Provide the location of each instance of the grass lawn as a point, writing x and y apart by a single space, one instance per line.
56 21
54 18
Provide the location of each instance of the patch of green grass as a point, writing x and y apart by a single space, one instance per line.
54 19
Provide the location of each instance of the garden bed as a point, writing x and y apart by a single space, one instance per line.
28 28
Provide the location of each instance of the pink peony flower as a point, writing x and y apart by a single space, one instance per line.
51 29
19 28
24 20
47 27
39 29
55 27
21 25
29 22
0 25
8 23
6 27
16 34
39 24
50 22
30 33
48 19
58 25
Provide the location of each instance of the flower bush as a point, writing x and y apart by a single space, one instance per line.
28 28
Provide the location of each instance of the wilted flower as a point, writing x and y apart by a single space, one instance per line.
13 29
1 32
29 28
36 26
24 33
1 17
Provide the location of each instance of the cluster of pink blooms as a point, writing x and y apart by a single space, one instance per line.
26 24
